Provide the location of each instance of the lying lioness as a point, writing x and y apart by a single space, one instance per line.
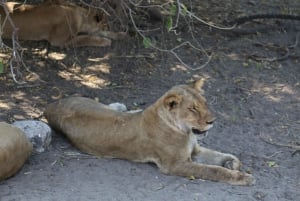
15 148
61 23
165 133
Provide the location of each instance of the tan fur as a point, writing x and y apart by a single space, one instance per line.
14 150
164 133
61 23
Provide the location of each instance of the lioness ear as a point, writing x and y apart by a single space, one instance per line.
198 85
172 101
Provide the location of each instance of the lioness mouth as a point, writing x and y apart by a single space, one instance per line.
198 132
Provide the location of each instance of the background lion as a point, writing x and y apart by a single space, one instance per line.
61 23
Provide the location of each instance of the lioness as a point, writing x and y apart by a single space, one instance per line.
165 133
15 148
61 23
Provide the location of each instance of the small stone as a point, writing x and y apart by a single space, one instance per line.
120 107
38 133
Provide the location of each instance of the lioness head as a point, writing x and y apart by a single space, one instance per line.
185 108
95 20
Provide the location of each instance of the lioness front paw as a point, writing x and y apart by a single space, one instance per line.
246 180
242 179
232 163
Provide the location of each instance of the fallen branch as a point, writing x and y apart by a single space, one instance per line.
284 57
270 141
242 20
281 58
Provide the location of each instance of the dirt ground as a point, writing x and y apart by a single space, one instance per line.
252 85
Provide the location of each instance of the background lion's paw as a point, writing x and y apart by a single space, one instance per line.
233 164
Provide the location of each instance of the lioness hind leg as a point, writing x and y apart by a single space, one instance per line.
111 35
212 157
88 40
213 173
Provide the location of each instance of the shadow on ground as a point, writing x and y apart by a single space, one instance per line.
252 88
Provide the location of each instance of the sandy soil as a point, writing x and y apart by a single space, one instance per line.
253 86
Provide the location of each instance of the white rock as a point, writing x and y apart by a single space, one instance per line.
120 107
134 111
38 133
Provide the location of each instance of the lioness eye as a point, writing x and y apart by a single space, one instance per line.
193 109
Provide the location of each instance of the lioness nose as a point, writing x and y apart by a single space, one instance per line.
211 121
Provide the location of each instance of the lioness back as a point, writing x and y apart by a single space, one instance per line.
78 109
92 127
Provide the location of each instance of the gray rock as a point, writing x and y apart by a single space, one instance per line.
38 133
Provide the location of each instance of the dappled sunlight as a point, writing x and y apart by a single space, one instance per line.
54 55
4 105
37 51
20 105
102 68
4 55
32 77
91 77
275 92
29 100
274 98
19 95
57 56
67 75
93 81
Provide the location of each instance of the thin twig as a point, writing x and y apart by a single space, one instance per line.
16 61
96 7
296 41
178 12
71 154
137 5
209 24
286 49
285 56
274 154
172 51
